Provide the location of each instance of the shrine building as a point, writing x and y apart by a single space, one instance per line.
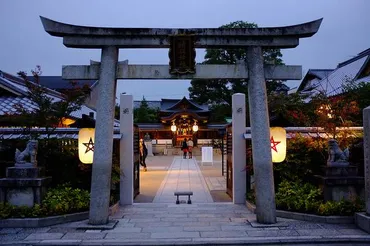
180 119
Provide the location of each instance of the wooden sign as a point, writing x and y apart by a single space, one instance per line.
182 54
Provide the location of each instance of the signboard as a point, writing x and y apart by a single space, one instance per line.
207 154
182 54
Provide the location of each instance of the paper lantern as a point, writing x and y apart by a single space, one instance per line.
278 144
195 127
86 142
173 127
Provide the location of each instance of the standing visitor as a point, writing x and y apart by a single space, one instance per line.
143 154
190 148
184 147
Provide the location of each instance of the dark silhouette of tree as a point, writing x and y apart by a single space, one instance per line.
218 92
145 114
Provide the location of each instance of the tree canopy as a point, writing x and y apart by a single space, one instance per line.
145 114
218 92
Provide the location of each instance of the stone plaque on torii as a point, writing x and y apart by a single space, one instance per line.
110 40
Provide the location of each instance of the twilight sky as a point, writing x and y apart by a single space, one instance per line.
24 44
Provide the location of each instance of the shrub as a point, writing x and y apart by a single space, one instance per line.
297 196
304 197
61 200
342 207
304 159
66 200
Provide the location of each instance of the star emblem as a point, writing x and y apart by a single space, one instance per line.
274 143
89 146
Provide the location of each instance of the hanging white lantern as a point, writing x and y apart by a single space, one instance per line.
173 127
86 142
278 144
195 127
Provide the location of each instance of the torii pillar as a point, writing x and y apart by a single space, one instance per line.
254 39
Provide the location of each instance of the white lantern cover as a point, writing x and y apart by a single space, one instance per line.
86 142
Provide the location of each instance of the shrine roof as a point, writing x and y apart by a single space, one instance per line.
173 105
170 105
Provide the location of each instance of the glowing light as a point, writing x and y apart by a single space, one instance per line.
86 142
195 127
278 144
173 127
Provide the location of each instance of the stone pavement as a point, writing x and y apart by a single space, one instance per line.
216 183
212 223
203 222
183 175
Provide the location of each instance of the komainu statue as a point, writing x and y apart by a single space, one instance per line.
337 157
27 158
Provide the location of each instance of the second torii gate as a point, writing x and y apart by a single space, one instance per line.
110 40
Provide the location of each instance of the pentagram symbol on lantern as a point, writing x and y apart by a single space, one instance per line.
89 146
274 143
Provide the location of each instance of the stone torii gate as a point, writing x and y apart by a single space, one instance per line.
110 40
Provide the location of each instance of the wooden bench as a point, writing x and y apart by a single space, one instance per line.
183 193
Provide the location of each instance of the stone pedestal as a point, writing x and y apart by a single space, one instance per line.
23 186
149 146
340 182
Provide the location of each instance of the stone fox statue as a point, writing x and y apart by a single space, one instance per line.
336 155
30 151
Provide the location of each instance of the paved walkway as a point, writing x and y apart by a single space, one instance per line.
183 175
216 183
213 223
203 222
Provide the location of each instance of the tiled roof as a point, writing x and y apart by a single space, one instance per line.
60 133
8 103
165 104
313 74
332 83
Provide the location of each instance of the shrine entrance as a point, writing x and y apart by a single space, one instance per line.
182 44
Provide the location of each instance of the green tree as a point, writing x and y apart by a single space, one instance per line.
218 92
145 114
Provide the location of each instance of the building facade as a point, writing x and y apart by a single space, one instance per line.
180 119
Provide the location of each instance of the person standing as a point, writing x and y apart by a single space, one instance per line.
184 147
190 148
143 154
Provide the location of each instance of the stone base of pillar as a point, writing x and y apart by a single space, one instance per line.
362 220
109 226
